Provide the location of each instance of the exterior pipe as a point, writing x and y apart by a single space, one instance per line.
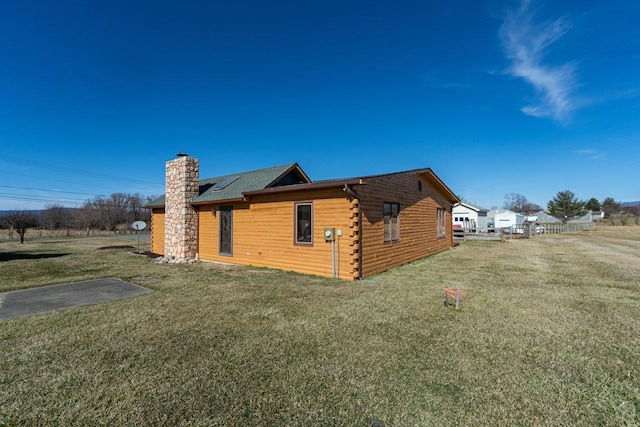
333 259
350 192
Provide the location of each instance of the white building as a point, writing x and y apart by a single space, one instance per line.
469 216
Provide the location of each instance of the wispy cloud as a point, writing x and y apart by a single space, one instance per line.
524 42
591 153
433 79
452 85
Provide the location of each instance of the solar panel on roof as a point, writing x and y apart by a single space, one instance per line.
224 183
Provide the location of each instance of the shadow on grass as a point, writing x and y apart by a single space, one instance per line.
13 256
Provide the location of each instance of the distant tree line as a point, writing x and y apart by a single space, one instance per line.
114 213
566 206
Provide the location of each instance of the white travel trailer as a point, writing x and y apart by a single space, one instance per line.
509 220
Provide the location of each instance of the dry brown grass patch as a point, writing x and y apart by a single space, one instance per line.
546 335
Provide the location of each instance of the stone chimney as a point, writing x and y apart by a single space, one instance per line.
181 220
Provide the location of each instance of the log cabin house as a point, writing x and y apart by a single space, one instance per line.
278 218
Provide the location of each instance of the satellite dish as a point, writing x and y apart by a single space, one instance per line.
139 225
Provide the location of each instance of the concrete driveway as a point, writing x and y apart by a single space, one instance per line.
27 302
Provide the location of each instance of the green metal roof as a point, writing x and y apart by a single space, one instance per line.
232 186
278 179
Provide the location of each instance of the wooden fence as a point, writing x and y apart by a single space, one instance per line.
519 231
39 233
555 228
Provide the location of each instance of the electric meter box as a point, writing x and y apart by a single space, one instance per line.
329 234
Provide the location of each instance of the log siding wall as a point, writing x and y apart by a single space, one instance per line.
263 233
157 231
263 228
418 221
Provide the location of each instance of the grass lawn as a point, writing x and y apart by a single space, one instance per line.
547 334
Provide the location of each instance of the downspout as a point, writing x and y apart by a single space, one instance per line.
352 194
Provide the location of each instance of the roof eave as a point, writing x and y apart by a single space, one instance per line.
210 202
473 207
428 172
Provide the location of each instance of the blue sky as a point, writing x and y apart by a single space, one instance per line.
497 97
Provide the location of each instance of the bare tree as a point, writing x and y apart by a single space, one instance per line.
635 212
56 217
623 217
136 208
519 203
120 208
110 212
87 216
20 221
115 212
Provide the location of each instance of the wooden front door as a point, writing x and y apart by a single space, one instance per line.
226 231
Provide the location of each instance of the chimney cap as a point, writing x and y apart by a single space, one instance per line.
182 155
